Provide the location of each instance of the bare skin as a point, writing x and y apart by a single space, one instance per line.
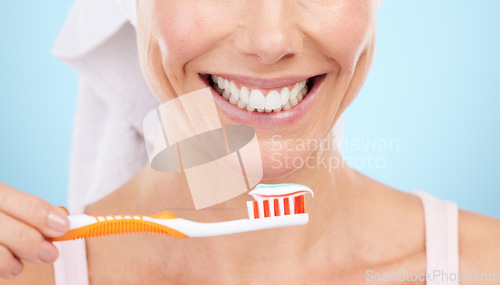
355 226
356 223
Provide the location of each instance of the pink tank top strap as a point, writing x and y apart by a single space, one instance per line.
441 236
71 266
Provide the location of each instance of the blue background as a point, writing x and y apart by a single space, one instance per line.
433 88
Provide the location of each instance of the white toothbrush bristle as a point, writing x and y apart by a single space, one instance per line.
251 214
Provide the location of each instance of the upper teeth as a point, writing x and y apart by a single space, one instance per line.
254 99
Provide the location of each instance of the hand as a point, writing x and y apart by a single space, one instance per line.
27 224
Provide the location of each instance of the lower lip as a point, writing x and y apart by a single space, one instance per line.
268 120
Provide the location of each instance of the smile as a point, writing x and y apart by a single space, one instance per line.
260 100
264 103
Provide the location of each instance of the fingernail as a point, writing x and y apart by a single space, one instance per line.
64 209
48 252
18 267
58 222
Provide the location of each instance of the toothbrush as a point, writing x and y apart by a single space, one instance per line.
275 205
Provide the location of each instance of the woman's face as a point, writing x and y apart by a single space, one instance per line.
287 68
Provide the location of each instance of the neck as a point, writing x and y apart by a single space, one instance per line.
334 213
333 186
333 206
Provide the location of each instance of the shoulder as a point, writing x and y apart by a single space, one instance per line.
33 274
479 245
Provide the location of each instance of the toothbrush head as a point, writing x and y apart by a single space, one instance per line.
272 200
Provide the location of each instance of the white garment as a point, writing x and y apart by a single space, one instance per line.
130 8
441 238
108 145
441 230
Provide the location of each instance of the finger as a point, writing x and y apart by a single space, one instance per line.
49 220
63 210
26 242
10 266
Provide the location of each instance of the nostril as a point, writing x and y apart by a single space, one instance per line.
268 43
272 47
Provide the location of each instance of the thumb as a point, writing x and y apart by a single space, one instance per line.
63 210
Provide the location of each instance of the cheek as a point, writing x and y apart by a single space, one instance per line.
343 31
188 29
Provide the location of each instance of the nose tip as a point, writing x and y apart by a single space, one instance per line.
270 46
267 33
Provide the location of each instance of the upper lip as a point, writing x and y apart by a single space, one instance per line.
264 83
